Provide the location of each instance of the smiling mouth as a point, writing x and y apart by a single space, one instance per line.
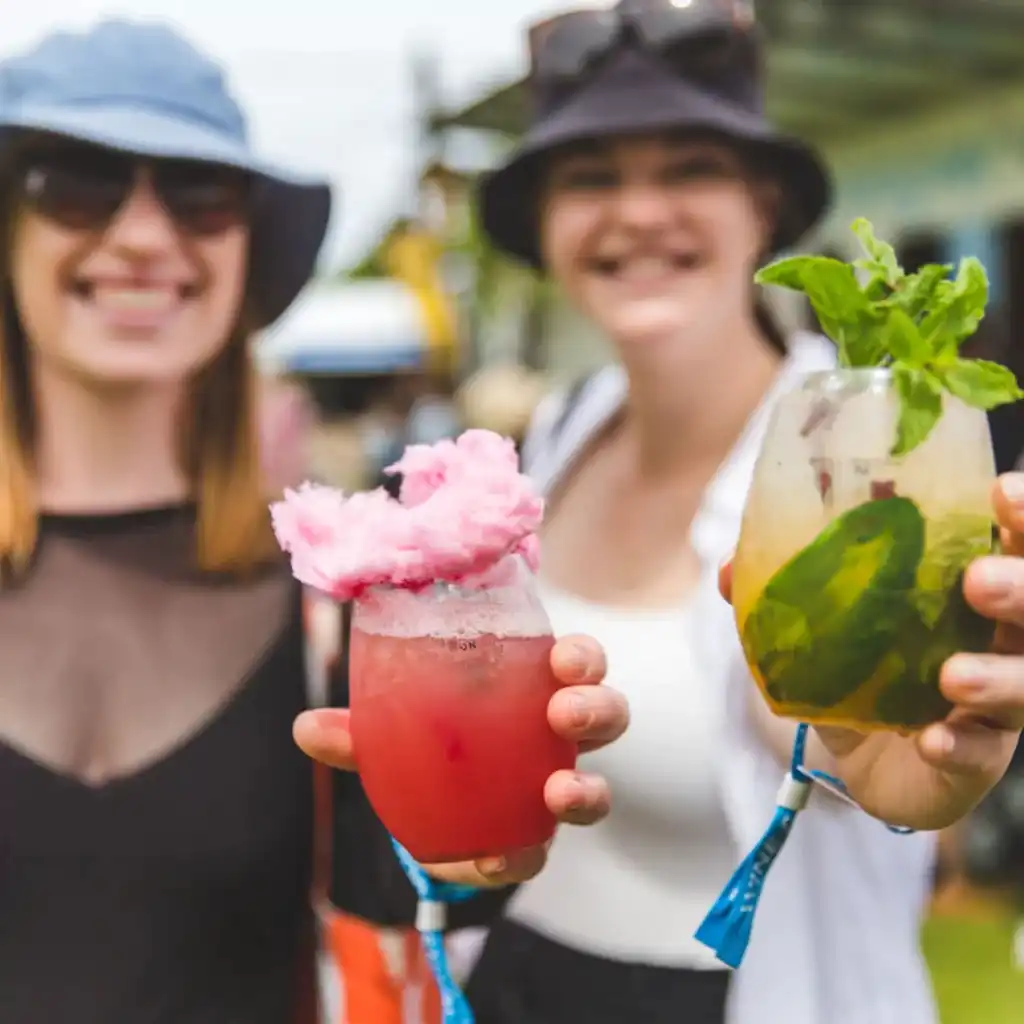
139 310
646 267
134 297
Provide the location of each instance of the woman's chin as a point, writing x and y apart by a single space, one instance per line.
650 333
139 373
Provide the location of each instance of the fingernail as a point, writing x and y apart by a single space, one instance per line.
965 669
577 793
582 710
947 742
998 576
492 866
310 722
1012 485
577 660
328 720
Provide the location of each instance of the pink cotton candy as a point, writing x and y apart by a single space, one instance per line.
464 507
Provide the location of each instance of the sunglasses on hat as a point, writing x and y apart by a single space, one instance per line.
706 38
81 188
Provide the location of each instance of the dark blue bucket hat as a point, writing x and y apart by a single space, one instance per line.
634 92
143 89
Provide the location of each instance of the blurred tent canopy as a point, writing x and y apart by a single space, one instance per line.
840 67
365 327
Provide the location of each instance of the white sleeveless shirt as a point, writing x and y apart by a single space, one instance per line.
636 886
836 936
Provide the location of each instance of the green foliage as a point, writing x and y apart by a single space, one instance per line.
879 315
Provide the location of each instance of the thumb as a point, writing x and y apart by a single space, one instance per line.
324 735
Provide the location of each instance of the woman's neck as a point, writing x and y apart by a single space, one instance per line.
111 450
691 412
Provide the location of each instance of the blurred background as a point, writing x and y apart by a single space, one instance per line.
415 328
918 104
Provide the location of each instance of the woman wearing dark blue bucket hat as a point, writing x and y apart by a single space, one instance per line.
649 186
156 816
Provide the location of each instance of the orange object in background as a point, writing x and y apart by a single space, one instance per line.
381 974
385 978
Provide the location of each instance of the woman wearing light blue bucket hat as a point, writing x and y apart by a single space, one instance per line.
156 817
142 89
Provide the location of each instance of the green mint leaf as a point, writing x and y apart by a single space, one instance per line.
878 315
979 383
875 288
918 292
806 273
920 396
957 308
881 261
845 313
876 277
902 339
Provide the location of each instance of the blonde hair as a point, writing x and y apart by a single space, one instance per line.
219 452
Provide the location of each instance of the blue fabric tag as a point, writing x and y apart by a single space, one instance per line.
727 927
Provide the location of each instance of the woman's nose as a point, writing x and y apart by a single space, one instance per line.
642 205
142 225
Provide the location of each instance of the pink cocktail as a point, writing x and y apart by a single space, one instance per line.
450 673
450 690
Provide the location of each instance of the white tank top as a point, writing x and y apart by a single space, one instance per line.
635 887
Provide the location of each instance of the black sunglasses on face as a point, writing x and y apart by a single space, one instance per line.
82 189
707 38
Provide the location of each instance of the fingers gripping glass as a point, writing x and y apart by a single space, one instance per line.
707 36
83 190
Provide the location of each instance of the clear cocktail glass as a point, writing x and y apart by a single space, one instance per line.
847 581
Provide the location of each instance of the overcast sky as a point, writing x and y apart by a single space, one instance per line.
327 82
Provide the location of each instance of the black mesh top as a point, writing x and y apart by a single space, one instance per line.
155 814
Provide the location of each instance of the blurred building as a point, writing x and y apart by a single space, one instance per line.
918 104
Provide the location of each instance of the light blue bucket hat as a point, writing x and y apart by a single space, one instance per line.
143 89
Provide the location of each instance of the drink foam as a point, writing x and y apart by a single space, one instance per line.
510 610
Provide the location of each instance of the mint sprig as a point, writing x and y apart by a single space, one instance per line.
879 315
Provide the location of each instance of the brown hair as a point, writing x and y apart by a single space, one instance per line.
768 324
219 450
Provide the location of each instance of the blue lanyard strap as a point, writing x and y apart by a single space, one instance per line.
431 919
727 927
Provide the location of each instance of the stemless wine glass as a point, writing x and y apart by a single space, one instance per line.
847 582
449 694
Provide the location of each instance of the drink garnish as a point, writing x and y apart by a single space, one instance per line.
914 324
463 509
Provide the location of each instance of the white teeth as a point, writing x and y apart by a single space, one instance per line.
136 298
646 267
